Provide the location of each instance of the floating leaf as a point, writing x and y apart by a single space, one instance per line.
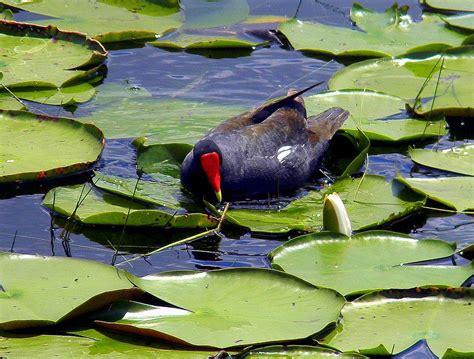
450 5
8 102
459 159
90 343
442 317
454 192
370 201
131 112
165 192
38 291
47 59
465 22
200 14
196 42
367 261
36 147
404 76
382 117
227 308
383 34
107 20
297 351
104 208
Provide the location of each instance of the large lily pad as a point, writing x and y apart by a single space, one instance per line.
296 351
383 34
454 192
367 261
131 112
38 291
228 308
36 147
105 208
108 20
451 5
405 76
370 201
459 159
442 317
382 117
46 58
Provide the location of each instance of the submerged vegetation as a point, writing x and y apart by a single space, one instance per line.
405 81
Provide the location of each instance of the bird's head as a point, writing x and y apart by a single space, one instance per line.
210 160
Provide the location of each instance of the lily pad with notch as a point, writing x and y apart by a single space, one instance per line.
380 116
38 147
227 308
415 76
418 313
390 33
368 261
91 206
370 201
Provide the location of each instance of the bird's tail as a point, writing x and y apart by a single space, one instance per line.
324 126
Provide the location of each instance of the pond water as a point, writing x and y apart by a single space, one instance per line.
27 227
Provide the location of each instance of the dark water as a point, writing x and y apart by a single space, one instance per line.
27 227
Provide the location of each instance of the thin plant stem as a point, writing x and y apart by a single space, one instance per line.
215 231
362 178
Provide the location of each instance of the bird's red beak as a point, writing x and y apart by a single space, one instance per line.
210 163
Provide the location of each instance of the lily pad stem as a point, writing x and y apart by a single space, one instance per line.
214 231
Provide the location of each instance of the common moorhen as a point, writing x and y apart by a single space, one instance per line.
271 149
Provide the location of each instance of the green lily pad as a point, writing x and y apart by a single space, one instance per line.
455 192
227 308
90 342
165 192
383 34
296 351
200 14
382 117
442 317
367 261
370 202
465 22
131 112
47 59
39 291
404 76
104 208
8 102
450 5
108 20
459 159
55 147
195 42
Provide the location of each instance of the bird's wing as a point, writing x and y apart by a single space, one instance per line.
285 127
323 126
264 111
